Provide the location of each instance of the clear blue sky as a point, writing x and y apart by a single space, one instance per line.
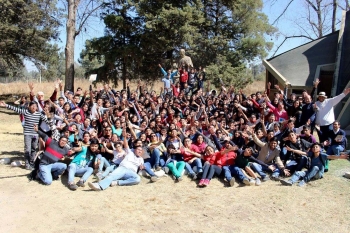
287 25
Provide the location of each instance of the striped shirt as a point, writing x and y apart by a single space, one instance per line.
30 119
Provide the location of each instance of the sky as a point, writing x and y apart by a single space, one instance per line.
286 25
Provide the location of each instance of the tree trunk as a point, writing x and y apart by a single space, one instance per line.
334 16
319 19
70 42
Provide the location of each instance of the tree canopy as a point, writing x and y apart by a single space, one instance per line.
221 35
26 28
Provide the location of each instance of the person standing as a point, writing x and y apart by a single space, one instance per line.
325 112
31 117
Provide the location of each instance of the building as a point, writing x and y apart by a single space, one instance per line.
326 58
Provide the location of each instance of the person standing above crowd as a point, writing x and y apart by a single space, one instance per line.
325 112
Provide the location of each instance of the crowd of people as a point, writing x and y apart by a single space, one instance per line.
186 128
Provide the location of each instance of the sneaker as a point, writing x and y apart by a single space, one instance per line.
200 173
265 178
158 168
166 169
257 182
95 186
246 181
201 182
275 178
193 176
286 182
29 167
251 182
206 182
154 178
232 182
302 183
179 178
81 183
99 176
55 177
72 186
114 183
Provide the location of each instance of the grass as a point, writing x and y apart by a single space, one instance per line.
16 89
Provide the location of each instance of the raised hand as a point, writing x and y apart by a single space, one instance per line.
316 82
31 86
346 91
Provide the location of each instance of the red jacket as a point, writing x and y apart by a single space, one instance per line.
225 159
183 76
188 156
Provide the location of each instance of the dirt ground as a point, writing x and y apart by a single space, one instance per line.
322 206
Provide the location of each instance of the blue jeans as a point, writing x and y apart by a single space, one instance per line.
156 156
123 175
45 171
76 170
335 150
234 171
197 162
314 172
148 167
105 164
30 146
262 169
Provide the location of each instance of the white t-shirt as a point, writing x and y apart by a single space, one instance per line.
131 161
118 156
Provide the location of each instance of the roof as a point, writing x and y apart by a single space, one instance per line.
298 65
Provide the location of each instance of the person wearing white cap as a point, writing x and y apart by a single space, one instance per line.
325 111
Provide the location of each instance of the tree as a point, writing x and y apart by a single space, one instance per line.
79 11
26 29
319 18
216 33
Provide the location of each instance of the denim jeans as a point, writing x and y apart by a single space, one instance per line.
155 156
105 164
46 171
301 163
123 175
234 171
148 167
176 169
30 147
197 162
314 172
76 170
335 150
262 169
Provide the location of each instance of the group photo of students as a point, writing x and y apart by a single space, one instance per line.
185 130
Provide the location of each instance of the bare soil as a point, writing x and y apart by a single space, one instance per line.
165 206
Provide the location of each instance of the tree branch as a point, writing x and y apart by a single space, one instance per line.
284 11
84 18
290 37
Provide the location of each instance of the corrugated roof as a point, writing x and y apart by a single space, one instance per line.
299 65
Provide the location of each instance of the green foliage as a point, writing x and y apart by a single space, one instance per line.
26 28
221 35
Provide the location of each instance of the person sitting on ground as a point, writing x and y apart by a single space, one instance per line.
192 158
49 167
175 162
316 167
268 159
81 165
336 140
126 173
